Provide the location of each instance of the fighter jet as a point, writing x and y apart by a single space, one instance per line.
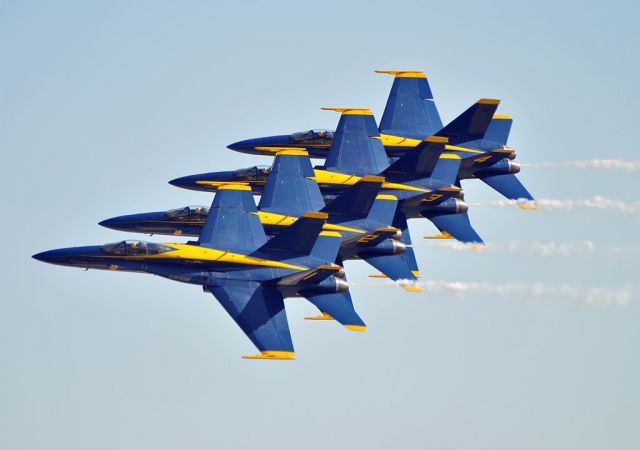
423 180
360 214
478 135
248 274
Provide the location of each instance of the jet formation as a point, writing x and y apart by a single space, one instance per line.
309 220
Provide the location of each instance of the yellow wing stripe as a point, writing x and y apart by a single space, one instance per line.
328 177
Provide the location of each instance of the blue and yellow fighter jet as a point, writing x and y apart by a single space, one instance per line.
247 274
409 116
360 214
423 180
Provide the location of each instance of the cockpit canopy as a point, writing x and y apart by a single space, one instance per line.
188 213
133 248
313 137
253 173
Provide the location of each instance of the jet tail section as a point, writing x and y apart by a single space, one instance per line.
357 200
446 168
410 110
289 191
499 129
419 162
471 124
354 149
383 209
297 239
229 217
408 257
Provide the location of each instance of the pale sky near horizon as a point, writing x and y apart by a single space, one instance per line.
532 344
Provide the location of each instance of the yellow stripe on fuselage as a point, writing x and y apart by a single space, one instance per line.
389 140
328 177
267 218
196 253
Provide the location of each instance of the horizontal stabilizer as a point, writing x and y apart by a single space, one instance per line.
457 225
400 222
509 186
471 124
356 201
395 267
419 162
338 306
298 238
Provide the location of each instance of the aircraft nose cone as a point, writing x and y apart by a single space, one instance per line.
242 145
182 182
249 145
110 223
50 256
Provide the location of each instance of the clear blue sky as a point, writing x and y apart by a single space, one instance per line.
103 102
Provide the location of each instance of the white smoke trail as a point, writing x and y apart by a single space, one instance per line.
588 295
591 296
541 249
608 164
595 202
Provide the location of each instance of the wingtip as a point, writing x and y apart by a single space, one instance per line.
529 205
272 354
358 328
411 288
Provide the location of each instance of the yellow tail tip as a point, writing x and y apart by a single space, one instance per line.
272 354
359 328
489 101
404 73
350 111
378 275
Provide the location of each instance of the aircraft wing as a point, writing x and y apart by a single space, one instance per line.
259 311
509 186
340 307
